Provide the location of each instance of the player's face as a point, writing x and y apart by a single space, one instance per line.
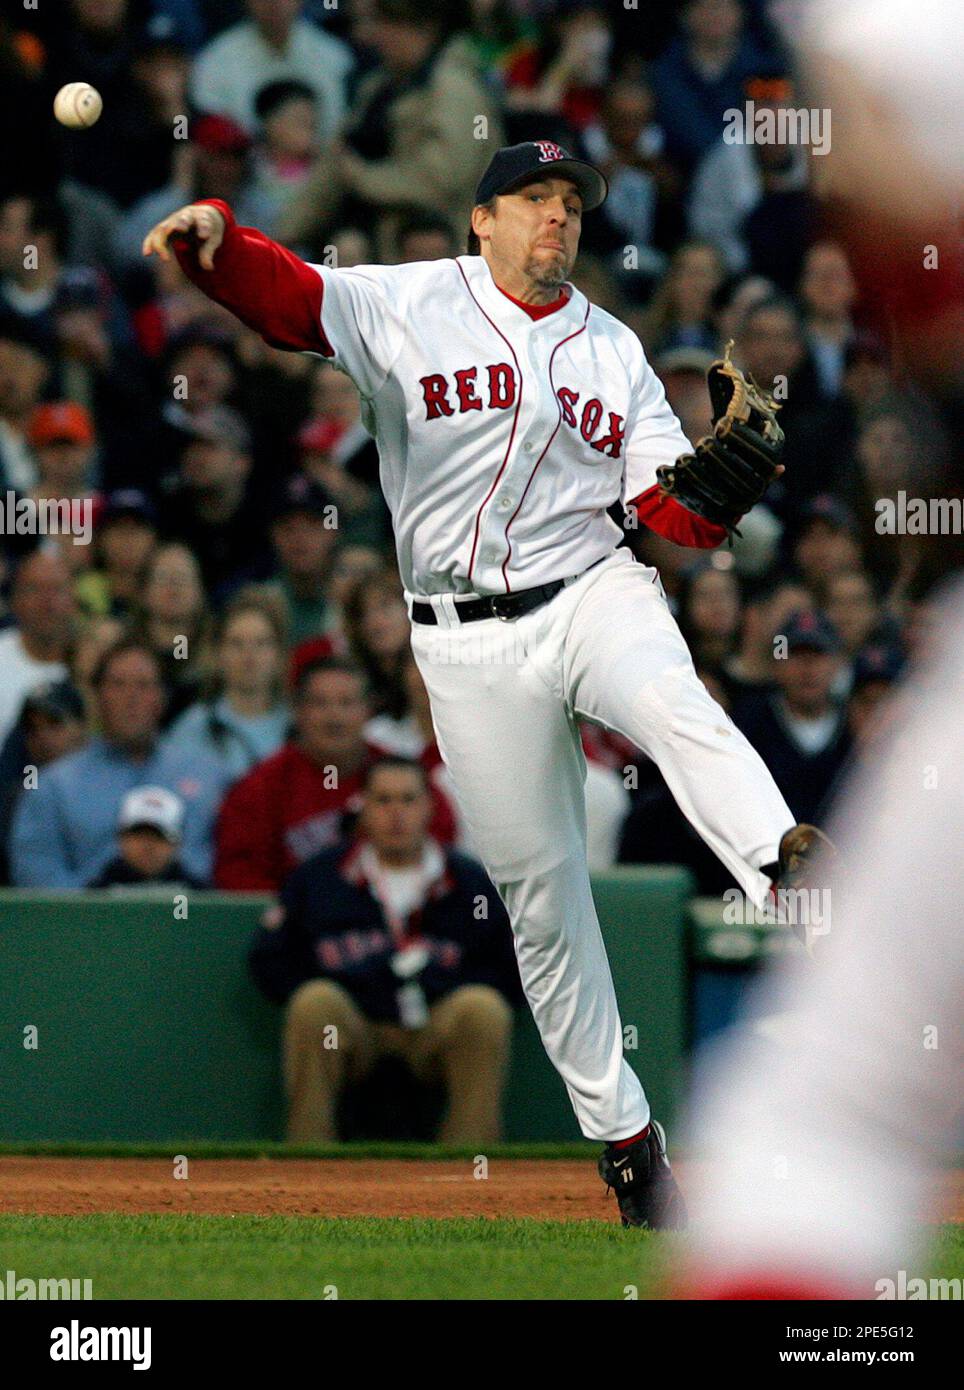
397 811
43 603
535 231
806 677
146 851
250 656
131 699
48 738
331 714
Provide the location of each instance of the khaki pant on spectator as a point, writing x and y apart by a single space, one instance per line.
465 1044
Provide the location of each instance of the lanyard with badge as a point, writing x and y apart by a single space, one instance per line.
410 957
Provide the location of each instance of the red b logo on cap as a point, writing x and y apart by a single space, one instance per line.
549 151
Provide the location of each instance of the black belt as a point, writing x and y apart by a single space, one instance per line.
504 606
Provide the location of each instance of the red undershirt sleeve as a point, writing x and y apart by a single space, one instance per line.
669 518
265 285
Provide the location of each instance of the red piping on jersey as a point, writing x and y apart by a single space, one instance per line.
515 421
552 388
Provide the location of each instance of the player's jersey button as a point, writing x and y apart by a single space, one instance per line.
489 555
505 502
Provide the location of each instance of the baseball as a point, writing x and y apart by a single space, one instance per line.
78 105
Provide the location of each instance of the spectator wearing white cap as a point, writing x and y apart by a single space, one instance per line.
150 828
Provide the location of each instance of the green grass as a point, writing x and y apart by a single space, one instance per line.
272 1148
297 1257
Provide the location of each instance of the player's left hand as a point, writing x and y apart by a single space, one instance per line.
730 470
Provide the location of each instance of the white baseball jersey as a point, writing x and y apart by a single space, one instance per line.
502 438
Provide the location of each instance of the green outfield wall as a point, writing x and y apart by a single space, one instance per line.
148 1027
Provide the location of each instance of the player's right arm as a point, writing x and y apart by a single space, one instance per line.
269 288
355 317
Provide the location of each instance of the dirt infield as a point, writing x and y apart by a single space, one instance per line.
556 1190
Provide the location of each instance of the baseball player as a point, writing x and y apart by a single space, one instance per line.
509 414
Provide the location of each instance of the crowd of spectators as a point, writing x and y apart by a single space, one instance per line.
233 640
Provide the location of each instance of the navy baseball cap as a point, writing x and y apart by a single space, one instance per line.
300 494
128 501
514 166
57 699
810 629
880 661
826 507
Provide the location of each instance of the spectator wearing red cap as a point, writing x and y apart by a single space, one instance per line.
362 516
214 163
272 44
61 435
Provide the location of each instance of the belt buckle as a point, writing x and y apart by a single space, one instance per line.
496 608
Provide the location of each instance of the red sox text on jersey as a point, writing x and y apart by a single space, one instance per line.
445 397
504 432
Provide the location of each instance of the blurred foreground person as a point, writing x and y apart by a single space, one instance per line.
825 1126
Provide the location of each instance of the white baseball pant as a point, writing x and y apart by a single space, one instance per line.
505 697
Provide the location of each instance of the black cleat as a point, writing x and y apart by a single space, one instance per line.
644 1184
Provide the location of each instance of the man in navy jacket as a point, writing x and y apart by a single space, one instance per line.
391 945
